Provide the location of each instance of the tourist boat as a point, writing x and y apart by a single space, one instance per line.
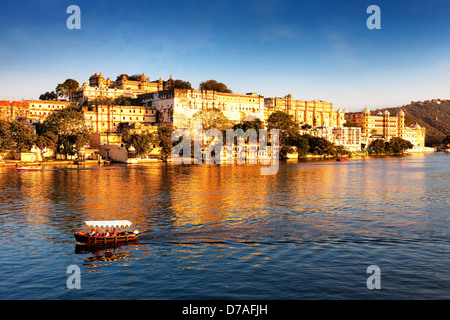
342 158
100 227
28 169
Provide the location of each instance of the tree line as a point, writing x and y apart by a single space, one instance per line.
290 140
65 132
212 85
395 145
65 89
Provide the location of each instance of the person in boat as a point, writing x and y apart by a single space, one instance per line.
92 233
107 234
114 233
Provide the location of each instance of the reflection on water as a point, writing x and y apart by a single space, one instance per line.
96 254
227 232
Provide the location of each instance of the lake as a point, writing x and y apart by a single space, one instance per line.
227 232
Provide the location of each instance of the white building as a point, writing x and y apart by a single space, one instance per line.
348 137
180 105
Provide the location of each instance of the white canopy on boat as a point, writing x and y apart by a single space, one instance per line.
108 224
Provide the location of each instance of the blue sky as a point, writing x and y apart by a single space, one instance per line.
315 50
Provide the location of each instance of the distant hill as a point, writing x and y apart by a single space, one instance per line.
434 115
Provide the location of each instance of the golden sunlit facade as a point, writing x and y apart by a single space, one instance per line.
99 87
384 126
30 111
314 113
111 119
40 110
348 137
180 105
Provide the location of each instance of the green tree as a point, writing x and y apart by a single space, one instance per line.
300 142
48 96
306 126
142 142
66 88
215 86
119 77
397 145
135 77
351 124
165 140
180 84
101 101
377 146
22 136
47 140
246 125
70 127
288 130
320 146
6 141
212 119
446 140
340 150
122 101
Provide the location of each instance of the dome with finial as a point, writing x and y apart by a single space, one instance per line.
387 113
366 110
401 113
144 77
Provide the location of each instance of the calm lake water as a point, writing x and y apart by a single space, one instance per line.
226 232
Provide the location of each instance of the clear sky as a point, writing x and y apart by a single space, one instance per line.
315 50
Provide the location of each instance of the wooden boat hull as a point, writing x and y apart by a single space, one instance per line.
28 169
83 238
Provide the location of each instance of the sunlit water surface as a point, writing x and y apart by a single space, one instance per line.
227 232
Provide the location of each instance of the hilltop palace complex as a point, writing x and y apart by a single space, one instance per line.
161 104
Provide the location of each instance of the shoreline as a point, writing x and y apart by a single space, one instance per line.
18 163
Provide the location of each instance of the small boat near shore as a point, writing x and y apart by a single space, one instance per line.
342 159
28 169
101 233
